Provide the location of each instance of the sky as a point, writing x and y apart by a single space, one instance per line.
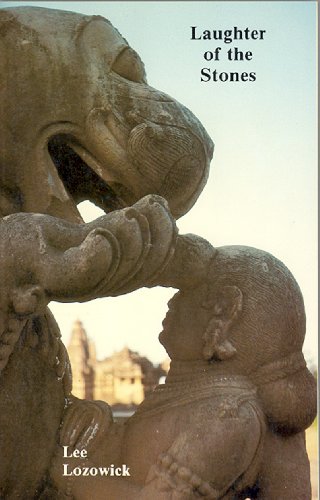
262 189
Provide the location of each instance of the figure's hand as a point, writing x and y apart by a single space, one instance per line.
85 424
43 258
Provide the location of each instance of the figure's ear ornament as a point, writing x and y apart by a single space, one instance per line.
226 304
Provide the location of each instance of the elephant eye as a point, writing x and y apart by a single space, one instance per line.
129 65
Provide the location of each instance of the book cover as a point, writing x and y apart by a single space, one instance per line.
247 71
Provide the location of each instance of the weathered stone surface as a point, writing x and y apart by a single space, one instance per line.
44 258
78 121
229 421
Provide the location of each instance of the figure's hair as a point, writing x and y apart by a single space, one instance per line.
269 334
273 311
290 401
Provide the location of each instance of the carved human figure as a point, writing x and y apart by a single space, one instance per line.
229 421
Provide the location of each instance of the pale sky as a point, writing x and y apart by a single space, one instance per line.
262 190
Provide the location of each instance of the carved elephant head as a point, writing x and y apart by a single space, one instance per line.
78 121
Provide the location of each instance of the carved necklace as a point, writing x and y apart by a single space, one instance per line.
189 382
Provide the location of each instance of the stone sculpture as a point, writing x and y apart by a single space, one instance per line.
78 121
88 126
229 421
44 258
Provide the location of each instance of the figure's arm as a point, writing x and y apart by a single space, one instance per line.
211 460
218 454
43 258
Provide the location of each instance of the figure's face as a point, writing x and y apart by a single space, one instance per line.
184 325
89 126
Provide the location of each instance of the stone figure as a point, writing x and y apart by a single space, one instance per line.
44 258
78 122
74 98
229 421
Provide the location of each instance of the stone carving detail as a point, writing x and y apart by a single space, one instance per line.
44 258
124 141
237 390
78 121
